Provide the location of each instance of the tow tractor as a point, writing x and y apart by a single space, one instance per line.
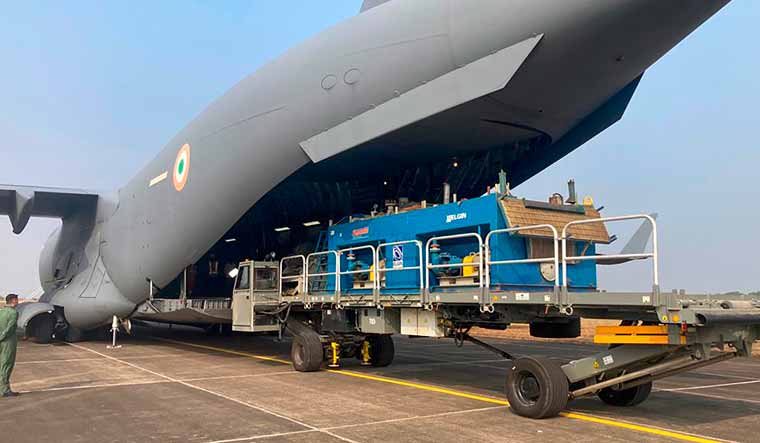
489 262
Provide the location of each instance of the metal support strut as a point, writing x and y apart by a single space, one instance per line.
461 336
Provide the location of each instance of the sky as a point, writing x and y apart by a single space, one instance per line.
91 90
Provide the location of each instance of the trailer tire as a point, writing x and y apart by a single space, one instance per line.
569 328
307 353
626 397
537 387
381 350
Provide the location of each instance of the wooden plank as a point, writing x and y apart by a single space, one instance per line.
519 215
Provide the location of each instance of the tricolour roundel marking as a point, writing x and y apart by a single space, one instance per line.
181 168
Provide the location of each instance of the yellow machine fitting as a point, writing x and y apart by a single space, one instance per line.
366 358
335 360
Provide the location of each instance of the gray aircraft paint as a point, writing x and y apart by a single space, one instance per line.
569 68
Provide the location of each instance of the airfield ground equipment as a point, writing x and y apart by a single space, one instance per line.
489 262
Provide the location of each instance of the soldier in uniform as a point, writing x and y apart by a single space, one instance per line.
8 342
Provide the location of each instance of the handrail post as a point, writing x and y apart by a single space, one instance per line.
555 259
654 255
385 269
429 267
336 273
300 276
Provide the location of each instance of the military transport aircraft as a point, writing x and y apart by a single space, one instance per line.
377 105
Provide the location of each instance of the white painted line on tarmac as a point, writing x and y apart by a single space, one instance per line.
695 388
418 417
259 437
356 425
741 377
151 382
228 377
719 397
74 360
41 362
105 385
208 391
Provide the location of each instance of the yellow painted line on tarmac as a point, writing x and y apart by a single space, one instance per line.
227 351
395 381
639 428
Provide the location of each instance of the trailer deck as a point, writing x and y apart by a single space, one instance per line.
242 388
440 271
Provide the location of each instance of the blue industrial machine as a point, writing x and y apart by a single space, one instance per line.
456 260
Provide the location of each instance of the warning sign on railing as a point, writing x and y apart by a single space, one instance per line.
398 256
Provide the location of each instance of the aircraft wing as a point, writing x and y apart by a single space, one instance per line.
478 79
20 203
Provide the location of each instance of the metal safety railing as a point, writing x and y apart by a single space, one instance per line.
385 269
485 261
431 267
361 271
293 277
327 274
554 259
644 255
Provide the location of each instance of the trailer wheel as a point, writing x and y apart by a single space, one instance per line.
566 328
537 387
381 350
626 397
307 353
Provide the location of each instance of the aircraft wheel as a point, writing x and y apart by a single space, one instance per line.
381 350
42 328
307 352
537 387
626 397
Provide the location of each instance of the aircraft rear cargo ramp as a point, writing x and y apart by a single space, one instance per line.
201 312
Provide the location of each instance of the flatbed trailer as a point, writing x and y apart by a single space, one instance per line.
339 306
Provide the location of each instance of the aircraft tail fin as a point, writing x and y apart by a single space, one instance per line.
20 203
638 242
636 245
369 4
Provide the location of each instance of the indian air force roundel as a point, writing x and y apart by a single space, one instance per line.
181 168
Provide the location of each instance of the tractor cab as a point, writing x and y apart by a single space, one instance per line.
255 297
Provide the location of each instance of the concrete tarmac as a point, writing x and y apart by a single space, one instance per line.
179 385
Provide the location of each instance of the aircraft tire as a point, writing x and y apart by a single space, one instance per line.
42 328
537 388
626 397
